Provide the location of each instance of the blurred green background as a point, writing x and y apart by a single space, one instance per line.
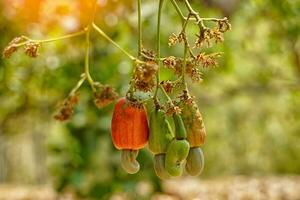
250 104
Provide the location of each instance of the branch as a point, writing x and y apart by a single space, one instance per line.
160 6
99 30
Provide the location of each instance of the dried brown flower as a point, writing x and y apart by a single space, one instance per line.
174 64
104 95
168 86
144 77
135 103
67 107
186 98
216 34
224 25
170 62
32 49
144 86
193 72
174 39
204 36
148 55
181 37
12 46
171 109
207 60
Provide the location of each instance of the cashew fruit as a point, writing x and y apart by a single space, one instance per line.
195 161
194 125
129 126
160 132
177 152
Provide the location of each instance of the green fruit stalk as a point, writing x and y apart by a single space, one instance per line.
180 131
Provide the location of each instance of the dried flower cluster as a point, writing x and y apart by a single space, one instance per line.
206 34
176 39
67 108
148 55
192 64
168 86
144 75
171 108
12 47
30 48
104 95
135 103
193 71
186 98
174 64
207 60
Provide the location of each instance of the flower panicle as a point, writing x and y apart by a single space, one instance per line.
66 109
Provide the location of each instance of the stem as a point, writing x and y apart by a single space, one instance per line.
184 62
87 48
189 7
166 94
140 40
158 47
185 23
62 37
186 48
78 85
54 39
131 89
195 14
213 19
94 12
177 8
113 42
87 65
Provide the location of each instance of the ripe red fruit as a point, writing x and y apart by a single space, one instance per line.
129 126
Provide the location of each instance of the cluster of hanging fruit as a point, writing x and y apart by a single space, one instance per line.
175 131
173 149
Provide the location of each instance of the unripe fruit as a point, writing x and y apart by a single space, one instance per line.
178 151
160 133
